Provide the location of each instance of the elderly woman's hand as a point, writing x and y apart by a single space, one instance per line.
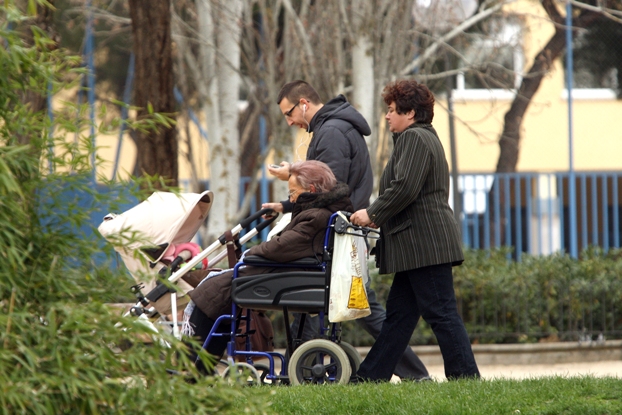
277 207
360 218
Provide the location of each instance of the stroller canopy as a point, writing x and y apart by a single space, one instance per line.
152 226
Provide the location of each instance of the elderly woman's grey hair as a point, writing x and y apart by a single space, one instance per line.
313 172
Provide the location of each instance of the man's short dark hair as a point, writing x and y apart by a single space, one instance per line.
295 90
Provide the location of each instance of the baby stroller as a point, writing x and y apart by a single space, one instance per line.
154 242
324 359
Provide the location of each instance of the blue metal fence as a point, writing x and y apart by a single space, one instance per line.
529 212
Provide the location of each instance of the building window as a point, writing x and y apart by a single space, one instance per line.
597 63
494 60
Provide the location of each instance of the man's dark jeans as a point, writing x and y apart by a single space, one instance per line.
426 292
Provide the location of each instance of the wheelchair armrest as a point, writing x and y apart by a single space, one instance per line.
259 260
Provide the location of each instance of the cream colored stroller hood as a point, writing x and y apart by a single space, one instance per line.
142 234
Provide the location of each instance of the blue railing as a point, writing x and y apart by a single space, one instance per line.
530 212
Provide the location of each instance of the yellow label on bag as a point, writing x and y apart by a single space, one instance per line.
358 296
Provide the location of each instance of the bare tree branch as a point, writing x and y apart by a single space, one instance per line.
431 50
300 31
609 13
346 21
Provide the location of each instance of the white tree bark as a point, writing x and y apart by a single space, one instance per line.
363 92
220 28
225 159
363 80
207 56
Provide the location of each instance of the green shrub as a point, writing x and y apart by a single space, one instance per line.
541 296
550 297
61 350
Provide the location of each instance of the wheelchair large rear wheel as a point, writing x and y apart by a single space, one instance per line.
353 356
319 361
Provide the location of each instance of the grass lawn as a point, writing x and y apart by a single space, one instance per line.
554 395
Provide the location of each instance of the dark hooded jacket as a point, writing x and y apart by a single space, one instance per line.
338 131
302 237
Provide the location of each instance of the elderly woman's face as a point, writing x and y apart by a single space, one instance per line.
398 122
295 189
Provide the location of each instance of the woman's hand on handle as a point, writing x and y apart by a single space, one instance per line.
361 218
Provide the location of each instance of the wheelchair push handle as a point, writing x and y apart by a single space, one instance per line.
342 225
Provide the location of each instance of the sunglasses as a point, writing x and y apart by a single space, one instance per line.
289 113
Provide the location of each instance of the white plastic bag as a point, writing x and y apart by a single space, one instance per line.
347 297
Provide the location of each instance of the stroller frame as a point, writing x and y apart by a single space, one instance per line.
312 296
142 309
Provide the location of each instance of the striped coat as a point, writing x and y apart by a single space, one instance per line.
417 226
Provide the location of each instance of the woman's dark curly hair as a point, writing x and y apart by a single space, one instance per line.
410 95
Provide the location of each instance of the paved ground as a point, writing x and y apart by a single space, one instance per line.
603 368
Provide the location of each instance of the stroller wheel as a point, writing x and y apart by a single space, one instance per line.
242 374
319 361
353 356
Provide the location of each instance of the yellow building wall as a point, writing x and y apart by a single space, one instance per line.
107 150
544 145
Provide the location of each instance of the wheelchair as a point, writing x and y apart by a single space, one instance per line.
303 286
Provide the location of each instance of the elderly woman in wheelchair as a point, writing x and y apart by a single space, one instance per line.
317 195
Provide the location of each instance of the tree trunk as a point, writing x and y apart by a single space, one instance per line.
207 54
151 26
363 80
44 20
509 141
225 149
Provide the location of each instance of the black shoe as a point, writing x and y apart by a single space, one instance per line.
423 379
356 379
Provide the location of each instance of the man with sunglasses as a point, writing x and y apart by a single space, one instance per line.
338 130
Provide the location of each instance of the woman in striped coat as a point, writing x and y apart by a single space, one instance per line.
419 242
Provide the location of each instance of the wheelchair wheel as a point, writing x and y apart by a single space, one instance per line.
319 361
353 356
242 374
221 366
264 370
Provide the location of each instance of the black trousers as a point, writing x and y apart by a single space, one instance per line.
426 292
202 325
